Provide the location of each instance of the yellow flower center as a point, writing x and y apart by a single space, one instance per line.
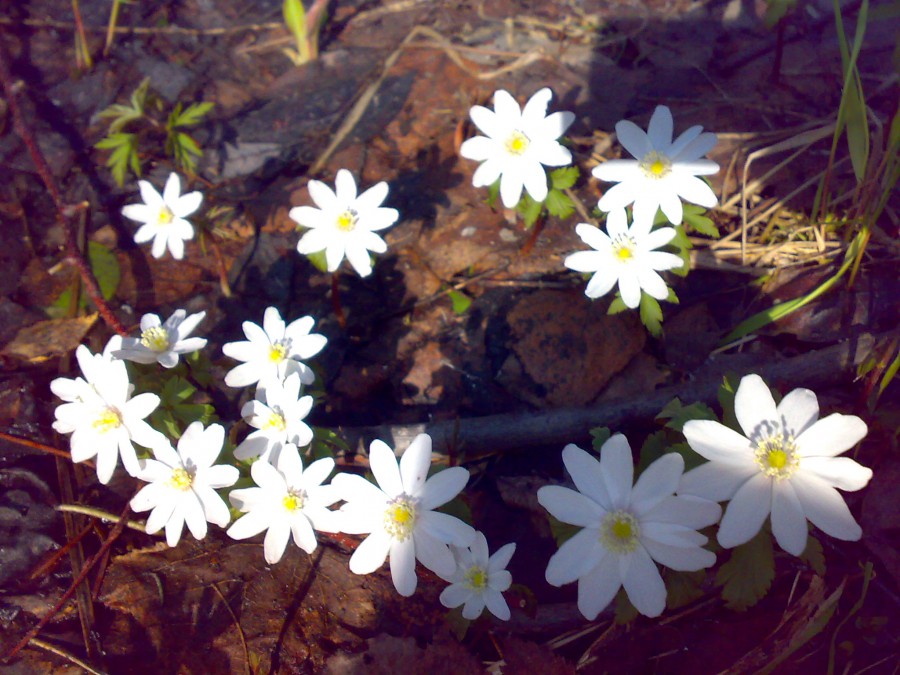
107 420
278 352
655 165
180 480
165 216
400 517
476 578
517 143
276 421
619 532
155 338
777 456
346 222
623 247
291 502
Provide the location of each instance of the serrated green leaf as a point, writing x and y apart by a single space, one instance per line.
193 115
746 577
725 396
683 247
188 144
700 223
461 301
558 204
678 414
564 178
682 588
529 209
651 315
599 436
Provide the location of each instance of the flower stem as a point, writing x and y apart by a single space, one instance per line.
336 301
100 514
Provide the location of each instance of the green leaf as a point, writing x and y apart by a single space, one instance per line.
457 508
814 556
561 531
599 436
193 115
318 260
558 204
683 248
461 301
746 577
295 18
678 414
700 223
123 155
493 193
564 178
651 315
776 11
682 588
625 611
105 267
529 209
617 305
691 459
653 448
725 395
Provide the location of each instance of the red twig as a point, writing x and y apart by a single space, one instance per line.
49 449
74 255
88 566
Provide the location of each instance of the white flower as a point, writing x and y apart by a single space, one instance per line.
344 224
625 528
277 414
479 580
399 514
664 172
274 351
163 342
288 500
627 256
182 484
101 415
164 217
785 465
516 144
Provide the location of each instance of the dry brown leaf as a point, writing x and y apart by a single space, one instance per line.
46 339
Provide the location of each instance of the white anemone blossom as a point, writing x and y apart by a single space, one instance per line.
99 412
161 342
399 514
626 528
274 351
288 501
479 580
277 414
784 466
517 144
663 173
164 217
182 484
627 256
344 224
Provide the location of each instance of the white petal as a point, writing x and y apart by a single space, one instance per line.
358 257
371 553
716 481
788 519
414 465
535 181
587 475
694 190
384 467
506 108
488 172
276 540
496 605
511 183
187 204
825 507
434 554
403 567
633 139
746 512
488 122
443 486
798 411
598 587
642 582
149 195
658 481
455 595
684 510
688 148
680 558
652 284
570 506
602 282
322 195
831 436
536 107
840 472
446 528
192 512
172 189
575 558
303 534
667 199
684 139
478 148
716 442
501 558
249 525
372 198
660 129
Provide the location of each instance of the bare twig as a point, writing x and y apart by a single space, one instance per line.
65 212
